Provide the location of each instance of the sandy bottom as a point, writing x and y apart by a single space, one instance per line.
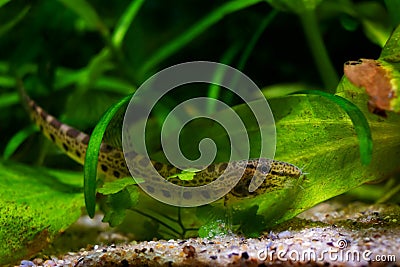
329 234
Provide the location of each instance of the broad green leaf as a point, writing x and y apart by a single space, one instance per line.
358 119
117 204
318 135
35 205
116 186
391 51
395 82
185 175
283 89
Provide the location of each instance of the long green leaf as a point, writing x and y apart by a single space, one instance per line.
214 90
125 21
92 155
14 143
256 36
84 10
8 100
393 7
9 25
294 6
3 2
194 31
391 51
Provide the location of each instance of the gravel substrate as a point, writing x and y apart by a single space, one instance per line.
358 235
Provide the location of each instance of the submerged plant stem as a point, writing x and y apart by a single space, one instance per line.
326 70
388 195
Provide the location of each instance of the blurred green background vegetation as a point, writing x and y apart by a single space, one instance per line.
67 51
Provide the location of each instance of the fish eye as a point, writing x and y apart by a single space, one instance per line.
264 169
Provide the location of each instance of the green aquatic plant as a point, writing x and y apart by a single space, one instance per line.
326 133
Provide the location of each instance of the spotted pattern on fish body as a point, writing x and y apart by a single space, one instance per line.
269 174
